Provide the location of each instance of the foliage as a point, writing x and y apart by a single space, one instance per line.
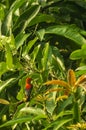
43 39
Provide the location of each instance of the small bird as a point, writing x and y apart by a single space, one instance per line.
28 88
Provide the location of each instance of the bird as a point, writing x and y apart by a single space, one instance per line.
28 88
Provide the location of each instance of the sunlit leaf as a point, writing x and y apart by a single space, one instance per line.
31 110
9 57
3 68
2 13
79 54
21 93
46 56
77 126
76 113
3 101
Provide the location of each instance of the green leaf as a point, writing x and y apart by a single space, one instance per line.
21 93
58 124
6 84
64 104
81 68
17 120
63 113
41 34
2 14
80 71
79 54
35 52
61 122
26 17
4 110
32 14
46 56
22 120
59 63
3 68
75 55
68 31
29 46
42 18
50 102
20 38
31 110
9 57
76 113
16 4
7 24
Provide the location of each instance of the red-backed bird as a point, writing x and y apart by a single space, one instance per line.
28 88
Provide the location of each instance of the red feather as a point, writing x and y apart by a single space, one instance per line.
28 86
28 83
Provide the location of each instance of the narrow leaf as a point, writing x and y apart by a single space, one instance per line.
35 52
76 113
42 18
59 62
31 110
46 56
50 102
16 4
3 68
64 104
57 124
41 34
21 120
80 80
9 58
61 122
20 38
6 84
27 16
29 46
3 101
77 54
68 31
